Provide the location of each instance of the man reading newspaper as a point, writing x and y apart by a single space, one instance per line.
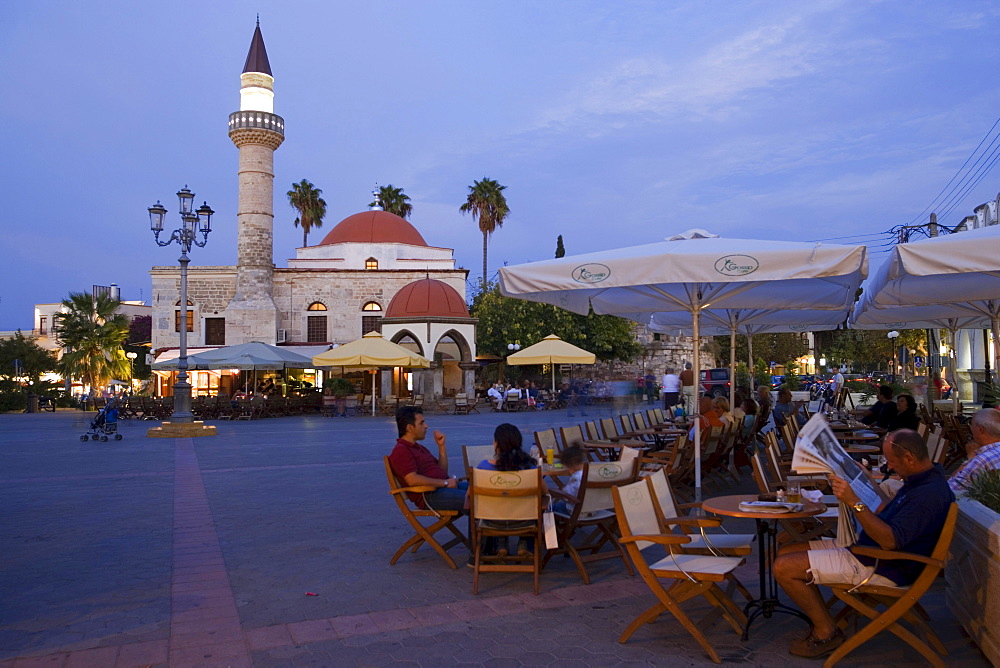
910 522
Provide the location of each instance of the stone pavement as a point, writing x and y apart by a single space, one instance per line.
201 552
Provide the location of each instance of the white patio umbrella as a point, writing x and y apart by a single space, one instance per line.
748 322
692 272
959 272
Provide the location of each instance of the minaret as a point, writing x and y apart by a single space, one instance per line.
257 132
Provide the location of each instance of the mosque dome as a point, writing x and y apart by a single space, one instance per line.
374 227
427 298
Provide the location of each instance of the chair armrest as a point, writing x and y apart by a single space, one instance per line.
418 489
877 553
687 506
694 521
558 493
660 539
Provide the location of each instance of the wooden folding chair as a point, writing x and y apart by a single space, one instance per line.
691 574
572 435
902 603
444 519
592 513
504 504
545 439
473 454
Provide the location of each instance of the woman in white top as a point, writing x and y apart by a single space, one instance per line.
671 389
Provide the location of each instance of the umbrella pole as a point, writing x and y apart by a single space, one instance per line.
732 369
955 404
552 367
374 373
995 327
696 409
750 361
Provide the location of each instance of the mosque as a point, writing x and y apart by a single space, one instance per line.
372 271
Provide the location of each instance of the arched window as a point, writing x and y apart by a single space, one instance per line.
190 317
371 263
316 324
371 318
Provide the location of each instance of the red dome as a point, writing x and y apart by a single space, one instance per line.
427 298
374 227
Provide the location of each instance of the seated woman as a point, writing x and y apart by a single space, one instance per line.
721 407
508 456
906 417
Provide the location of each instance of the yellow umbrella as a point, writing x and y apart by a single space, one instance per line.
552 350
371 350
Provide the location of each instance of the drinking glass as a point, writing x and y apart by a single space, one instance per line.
793 492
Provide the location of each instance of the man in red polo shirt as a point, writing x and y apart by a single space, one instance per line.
415 465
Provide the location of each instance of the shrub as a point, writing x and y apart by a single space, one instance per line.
985 488
13 401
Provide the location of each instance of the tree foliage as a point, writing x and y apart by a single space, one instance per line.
92 333
305 198
33 359
769 347
560 249
864 351
394 200
504 320
140 329
488 205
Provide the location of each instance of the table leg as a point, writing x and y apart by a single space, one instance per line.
768 603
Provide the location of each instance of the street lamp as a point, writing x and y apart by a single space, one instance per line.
511 349
192 222
892 339
131 367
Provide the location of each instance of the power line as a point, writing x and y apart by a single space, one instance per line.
959 171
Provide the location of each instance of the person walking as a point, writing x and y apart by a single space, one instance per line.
687 383
671 389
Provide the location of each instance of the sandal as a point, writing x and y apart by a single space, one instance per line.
814 648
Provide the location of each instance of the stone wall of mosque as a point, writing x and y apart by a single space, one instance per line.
344 294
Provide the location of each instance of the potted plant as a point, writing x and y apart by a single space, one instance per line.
973 572
338 388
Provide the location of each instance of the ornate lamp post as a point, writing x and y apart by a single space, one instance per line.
892 339
131 368
192 222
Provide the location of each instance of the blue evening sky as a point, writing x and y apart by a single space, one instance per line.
611 123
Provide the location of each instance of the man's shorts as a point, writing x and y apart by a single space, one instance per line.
831 564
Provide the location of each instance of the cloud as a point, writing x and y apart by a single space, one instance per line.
693 85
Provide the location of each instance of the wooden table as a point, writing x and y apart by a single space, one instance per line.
767 545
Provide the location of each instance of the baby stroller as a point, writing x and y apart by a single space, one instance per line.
105 424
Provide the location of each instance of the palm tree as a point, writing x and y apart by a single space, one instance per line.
394 200
488 205
305 198
92 332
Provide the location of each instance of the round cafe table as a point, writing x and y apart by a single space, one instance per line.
767 547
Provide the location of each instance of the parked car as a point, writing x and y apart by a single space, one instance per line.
715 382
777 381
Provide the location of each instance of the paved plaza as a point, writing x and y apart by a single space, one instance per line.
148 552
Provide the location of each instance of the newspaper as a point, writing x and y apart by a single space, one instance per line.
817 450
